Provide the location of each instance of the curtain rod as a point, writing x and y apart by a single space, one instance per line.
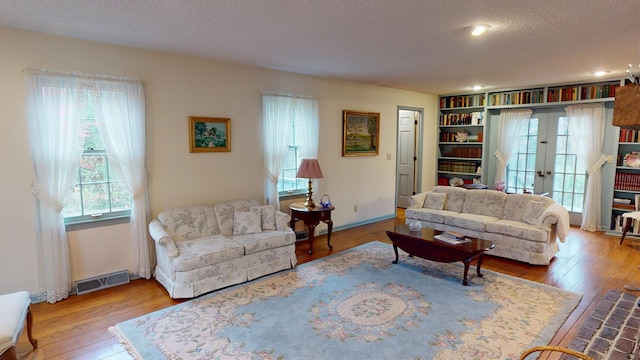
79 74
290 95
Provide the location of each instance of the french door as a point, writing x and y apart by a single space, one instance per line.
545 161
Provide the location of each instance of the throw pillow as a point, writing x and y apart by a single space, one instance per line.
224 217
246 222
267 216
434 201
533 210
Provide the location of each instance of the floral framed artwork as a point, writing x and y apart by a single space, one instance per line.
209 134
360 133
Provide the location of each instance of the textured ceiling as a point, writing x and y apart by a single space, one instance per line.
418 45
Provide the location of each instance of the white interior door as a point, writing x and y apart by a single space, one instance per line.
406 156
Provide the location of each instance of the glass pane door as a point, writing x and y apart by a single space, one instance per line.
545 162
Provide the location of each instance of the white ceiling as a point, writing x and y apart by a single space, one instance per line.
418 45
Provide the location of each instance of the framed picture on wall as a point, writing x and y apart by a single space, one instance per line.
209 134
360 133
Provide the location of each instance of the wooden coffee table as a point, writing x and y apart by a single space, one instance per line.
422 244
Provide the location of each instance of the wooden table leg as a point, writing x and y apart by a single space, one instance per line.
479 265
312 229
627 225
466 262
395 249
329 228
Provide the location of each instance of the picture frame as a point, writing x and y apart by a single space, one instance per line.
360 133
209 134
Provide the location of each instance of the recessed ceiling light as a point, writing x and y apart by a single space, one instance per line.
477 30
477 87
600 73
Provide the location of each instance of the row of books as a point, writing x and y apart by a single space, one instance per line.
586 92
453 238
626 204
444 181
628 182
628 135
459 101
457 166
463 152
472 118
517 97
453 137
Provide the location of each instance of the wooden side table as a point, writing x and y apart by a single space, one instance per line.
311 217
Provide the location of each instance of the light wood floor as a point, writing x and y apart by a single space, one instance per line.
77 328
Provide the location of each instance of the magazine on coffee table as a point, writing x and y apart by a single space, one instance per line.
451 239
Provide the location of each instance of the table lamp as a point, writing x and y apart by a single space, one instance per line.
310 169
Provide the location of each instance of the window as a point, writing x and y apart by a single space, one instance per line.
288 184
289 134
99 191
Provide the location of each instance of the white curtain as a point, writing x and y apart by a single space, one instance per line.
511 124
586 128
277 113
54 109
123 127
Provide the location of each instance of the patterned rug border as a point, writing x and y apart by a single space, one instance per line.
548 332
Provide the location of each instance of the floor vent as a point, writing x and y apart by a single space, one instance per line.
102 282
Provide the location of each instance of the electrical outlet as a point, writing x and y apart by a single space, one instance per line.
355 208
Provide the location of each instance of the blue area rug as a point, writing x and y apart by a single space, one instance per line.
356 304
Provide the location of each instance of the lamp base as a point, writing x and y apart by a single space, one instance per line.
309 202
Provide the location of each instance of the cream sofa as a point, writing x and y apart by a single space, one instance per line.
523 227
203 248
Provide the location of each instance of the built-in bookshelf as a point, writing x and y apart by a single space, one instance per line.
519 97
626 185
461 128
461 135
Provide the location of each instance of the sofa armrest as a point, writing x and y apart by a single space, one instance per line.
160 236
417 201
283 221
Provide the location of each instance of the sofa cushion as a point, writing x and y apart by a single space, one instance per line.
189 222
434 200
430 215
515 204
484 202
205 251
469 221
224 216
267 216
533 210
265 240
246 222
517 229
454 199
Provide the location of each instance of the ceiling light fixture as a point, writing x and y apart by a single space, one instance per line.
477 87
477 30
600 73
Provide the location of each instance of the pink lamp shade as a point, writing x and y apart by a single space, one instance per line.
309 169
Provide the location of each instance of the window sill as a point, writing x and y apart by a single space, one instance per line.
95 223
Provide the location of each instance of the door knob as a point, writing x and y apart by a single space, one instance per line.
539 172
548 172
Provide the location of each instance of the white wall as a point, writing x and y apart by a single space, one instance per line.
177 87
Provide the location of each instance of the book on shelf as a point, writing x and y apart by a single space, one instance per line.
451 240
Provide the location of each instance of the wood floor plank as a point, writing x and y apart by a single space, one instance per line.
77 327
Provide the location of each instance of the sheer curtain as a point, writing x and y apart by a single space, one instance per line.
123 127
511 124
277 113
586 129
54 109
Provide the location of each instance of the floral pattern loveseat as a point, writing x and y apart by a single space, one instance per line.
523 227
203 248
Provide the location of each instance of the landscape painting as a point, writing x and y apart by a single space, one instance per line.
361 133
208 134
